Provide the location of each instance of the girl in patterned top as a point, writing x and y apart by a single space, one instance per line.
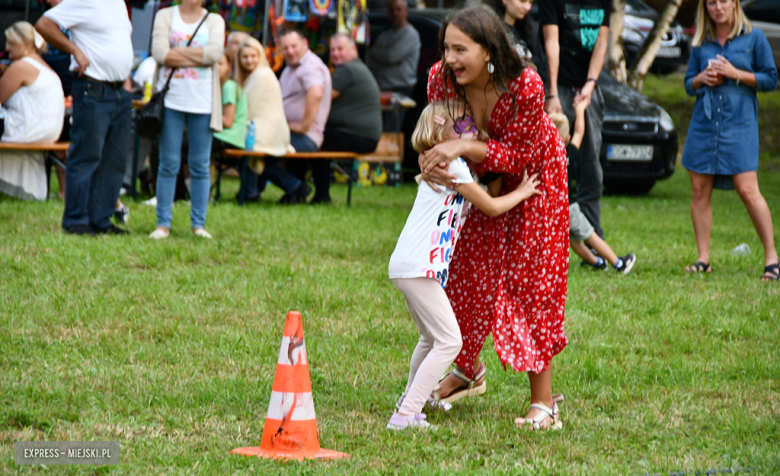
418 267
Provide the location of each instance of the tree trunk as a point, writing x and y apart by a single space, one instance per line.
616 60
646 55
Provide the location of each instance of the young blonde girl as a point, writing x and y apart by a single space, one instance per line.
234 109
420 262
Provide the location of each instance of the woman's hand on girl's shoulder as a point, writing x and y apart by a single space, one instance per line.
440 155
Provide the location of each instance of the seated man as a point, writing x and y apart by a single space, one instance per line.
395 56
234 40
355 122
306 91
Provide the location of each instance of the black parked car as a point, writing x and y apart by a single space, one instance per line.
637 23
639 138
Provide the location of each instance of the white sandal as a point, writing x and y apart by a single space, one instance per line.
159 234
542 414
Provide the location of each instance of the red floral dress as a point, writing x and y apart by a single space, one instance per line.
509 274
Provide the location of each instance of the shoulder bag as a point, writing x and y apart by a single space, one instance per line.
150 116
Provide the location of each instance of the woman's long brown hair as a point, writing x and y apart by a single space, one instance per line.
485 28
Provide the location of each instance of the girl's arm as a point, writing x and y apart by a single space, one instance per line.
228 115
579 123
493 207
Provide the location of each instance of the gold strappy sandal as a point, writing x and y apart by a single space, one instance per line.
472 390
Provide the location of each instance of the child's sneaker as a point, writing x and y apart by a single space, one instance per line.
625 263
444 406
600 265
399 422
122 214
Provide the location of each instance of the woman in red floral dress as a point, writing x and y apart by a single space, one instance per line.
509 274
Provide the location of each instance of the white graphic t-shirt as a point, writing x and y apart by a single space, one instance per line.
190 89
427 241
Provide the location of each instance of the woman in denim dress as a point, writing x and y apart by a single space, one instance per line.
730 61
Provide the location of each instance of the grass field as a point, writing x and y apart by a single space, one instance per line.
170 347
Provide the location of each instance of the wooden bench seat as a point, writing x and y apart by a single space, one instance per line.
237 153
52 147
40 147
381 155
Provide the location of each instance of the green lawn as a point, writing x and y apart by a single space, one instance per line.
170 347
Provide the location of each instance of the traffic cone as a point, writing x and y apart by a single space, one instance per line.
291 426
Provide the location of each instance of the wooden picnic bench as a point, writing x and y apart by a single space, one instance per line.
40 147
243 155
51 147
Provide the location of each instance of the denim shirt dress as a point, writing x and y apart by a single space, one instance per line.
723 134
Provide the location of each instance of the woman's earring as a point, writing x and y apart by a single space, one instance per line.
491 68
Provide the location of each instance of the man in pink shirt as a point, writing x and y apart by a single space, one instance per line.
306 91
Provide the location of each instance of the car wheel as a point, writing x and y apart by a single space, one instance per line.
628 187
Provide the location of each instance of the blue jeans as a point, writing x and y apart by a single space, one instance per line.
100 137
199 156
302 143
275 173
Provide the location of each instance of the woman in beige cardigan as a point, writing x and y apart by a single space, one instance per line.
266 109
194 98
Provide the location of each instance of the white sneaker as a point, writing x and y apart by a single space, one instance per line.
152 202
402 422
201 233
159 234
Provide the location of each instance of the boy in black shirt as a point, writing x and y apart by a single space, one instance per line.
574 35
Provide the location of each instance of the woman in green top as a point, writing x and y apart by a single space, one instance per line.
234 110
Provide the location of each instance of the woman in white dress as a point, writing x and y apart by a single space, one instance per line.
31 94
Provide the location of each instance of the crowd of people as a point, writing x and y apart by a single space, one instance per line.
491 114
508 274
215 90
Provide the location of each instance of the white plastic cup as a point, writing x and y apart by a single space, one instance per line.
741 250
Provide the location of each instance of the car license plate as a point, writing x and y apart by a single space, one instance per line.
633 153
669 52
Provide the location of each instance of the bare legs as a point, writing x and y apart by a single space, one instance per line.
701 215
452 383
601 247
746 184
747 189
541 390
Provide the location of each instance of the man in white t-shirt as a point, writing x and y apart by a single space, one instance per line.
101 59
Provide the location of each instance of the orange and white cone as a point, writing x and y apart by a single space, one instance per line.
291 425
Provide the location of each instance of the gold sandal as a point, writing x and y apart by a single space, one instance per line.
472 390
